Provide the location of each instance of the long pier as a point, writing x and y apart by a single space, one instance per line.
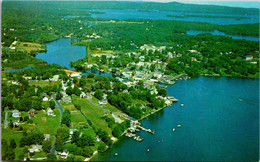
144 129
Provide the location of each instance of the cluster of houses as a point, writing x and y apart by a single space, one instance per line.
13 45
31 112
93 36
152 48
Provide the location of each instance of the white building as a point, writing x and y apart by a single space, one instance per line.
35 148
49 112
45 99
16 114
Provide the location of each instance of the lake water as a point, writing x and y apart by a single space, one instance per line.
157 15
14 70
220 118
220 122
216 32
62 52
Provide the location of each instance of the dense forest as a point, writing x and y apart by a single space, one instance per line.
42 22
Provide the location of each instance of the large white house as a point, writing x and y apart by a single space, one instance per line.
16 114
35 148
49 112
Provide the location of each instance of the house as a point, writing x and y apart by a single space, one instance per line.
45 99
14 82
72 130
97 139
28 78
193 51
32 112
15 122
64 154
254 62
83 94
16 114
63 93
157 75
249 57
66 99
49 112
47 136
54 78
35 148
103 102
75 75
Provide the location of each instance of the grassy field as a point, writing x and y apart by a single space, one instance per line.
77 119
68 106
29 46
47 124
9 134
94 114
43 83
106 106
139 101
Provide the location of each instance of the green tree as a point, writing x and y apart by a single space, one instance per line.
117 131
46 146
58 96
75 136
162 92
51 157
12 144
87 151
98 94
76 91
102 147
91 75
69 91
66 118
52 104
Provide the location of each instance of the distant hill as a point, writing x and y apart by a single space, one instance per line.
145 6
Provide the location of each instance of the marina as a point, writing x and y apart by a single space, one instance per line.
136 127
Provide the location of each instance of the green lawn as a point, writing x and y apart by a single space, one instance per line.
77 119
89 131
47 124
93 113
43 83
9 134
139 101
68 106
39 155
106 106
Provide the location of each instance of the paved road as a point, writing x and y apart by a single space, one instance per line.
59 107
52 151
61 113
89 98
6 121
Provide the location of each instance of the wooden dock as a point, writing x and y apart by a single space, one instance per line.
147 130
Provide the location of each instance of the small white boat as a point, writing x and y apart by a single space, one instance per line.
116 154
182 105
173 129
148 150
179 126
